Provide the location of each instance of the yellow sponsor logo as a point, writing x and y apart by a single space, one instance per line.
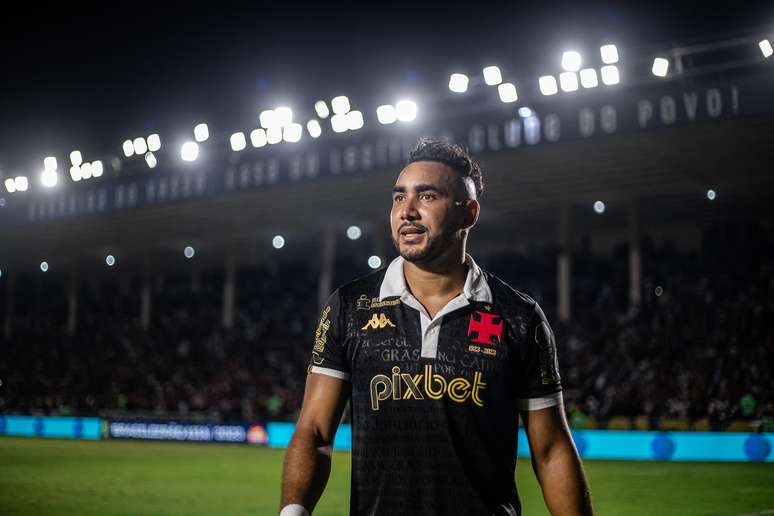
321 334
405 386
378 322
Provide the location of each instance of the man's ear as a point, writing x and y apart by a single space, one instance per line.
472 209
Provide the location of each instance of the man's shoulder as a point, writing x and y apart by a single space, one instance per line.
366 287
507 297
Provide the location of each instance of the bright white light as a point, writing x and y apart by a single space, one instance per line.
154 142
274 135
139 145
374 262
588 78
44 266
340 104
354 232
150 159
49 178
507 92
660 67
765 46
75 173
258 138
86 170
110 260
238 141
292 133
525 112
201 132
189 252
96 168
268 118
406 109
128 148
10 185
386 114
49 163
321 108
568 81
75 158
571 61
711 195
458 82
609 54
339 123
610 75
189 151
284 115
492 75
278 242
21 183
547 85
314 128
354 120
599 207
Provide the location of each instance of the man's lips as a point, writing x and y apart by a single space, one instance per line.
411 230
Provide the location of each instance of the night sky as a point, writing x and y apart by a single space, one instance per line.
88 77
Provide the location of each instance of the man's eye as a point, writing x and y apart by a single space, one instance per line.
397 198
427 197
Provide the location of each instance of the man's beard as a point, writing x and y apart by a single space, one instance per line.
434 247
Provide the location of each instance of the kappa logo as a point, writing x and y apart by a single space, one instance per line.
377 322
486 328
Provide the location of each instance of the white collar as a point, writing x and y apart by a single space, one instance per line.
394 283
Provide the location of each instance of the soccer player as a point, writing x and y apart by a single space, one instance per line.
438 358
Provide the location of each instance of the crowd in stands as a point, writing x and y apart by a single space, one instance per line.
700 346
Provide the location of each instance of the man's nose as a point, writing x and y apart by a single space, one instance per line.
409 210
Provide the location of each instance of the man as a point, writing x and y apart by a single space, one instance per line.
439 359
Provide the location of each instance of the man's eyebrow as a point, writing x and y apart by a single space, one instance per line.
420 188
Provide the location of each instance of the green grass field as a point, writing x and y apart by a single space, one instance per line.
40 476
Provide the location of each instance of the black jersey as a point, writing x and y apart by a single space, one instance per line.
435 402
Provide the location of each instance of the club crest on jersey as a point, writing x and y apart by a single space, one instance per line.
377 322
485 328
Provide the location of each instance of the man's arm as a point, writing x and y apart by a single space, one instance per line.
556 463
308 459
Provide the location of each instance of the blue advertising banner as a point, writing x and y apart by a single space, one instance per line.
55 427
187 431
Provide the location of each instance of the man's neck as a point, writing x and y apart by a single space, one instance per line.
444 278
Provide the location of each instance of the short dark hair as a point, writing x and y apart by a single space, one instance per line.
456 156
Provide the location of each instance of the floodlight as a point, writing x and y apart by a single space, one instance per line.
139 145
10 185
238 141
610 75
340 105
386 114
110 260
96 168
374 262
354 232
284 115
507 92
150 159
75 158
268 118
201 132
711 195
339 123
599 207
321 108
588 78
609 54
189 252
492 75
278 242
189 151
765 46
458 82
154 142
292 132
274 135
571 61
49 178
49 163
86 170
75 173
128 148
314 128
21 183
44 266
258 138
547 85
525 112
568 81
354 120
660 67
406 110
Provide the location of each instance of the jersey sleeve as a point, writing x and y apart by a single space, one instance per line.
329 355
540 385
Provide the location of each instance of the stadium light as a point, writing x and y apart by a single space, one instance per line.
321 108
610 75
44 266
274 135
386 114
258 138
154 142
340 105
609 54
201 132
568 81
354 120
96 168
49 178
525 112
284 115
374 262
507 92
547 85
278 242
86 170
21 183
292 133
354 232
75 173
189 252
314 128
711 195
458 82
599 207
588 78
128 148
571 61
492 75
189 151
139 145
10 185
110 260
659 290
150 159
660 67
49 163
406 110
765 46
339 123
268 118
76 158
238 142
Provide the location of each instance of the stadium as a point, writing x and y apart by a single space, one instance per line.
162 270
